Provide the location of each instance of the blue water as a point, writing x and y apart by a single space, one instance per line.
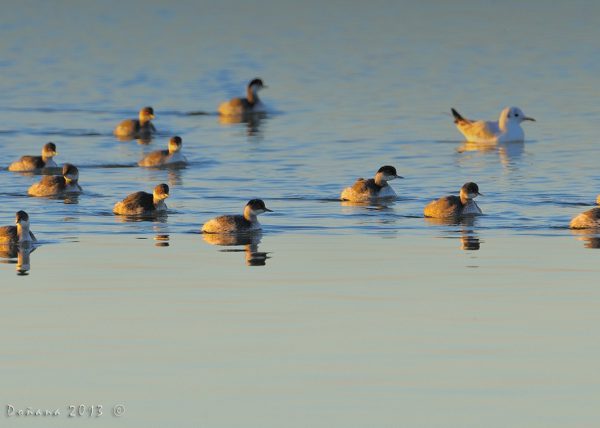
357 315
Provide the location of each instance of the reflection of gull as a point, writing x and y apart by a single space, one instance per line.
249 241
506 128
468 238
508 152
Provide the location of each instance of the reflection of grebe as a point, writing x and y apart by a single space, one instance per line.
243 106
34 163
137 128
248 222
372 188
142 203
21 251
253 122
54 185
455 206
170 157
589 219
506 128
19 233
468 238
250 242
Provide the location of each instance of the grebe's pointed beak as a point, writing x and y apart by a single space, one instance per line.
399 176
268 210
529 118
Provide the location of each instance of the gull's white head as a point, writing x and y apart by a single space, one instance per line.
513 115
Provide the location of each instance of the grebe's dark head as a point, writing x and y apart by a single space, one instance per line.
161 191
388 173
49 150
256 84
175 144
469 190
22 218
146 114
257 206
70 172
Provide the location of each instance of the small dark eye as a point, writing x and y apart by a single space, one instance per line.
516 114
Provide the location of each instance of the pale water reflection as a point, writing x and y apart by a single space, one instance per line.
509 153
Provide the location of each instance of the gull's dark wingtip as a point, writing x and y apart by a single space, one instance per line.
457 116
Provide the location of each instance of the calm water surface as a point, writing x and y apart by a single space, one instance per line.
338 315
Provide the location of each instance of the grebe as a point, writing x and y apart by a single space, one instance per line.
372 188
54 185
19 233
137 128
244 106
142 203
248 222
172 156
455 206
589 219
34 163
506 128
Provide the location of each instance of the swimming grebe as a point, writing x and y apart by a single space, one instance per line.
54 185
33 163
172 156
589 219
137 128
244 106
19 233
506 128
455 206
372 188
142 203
248 222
